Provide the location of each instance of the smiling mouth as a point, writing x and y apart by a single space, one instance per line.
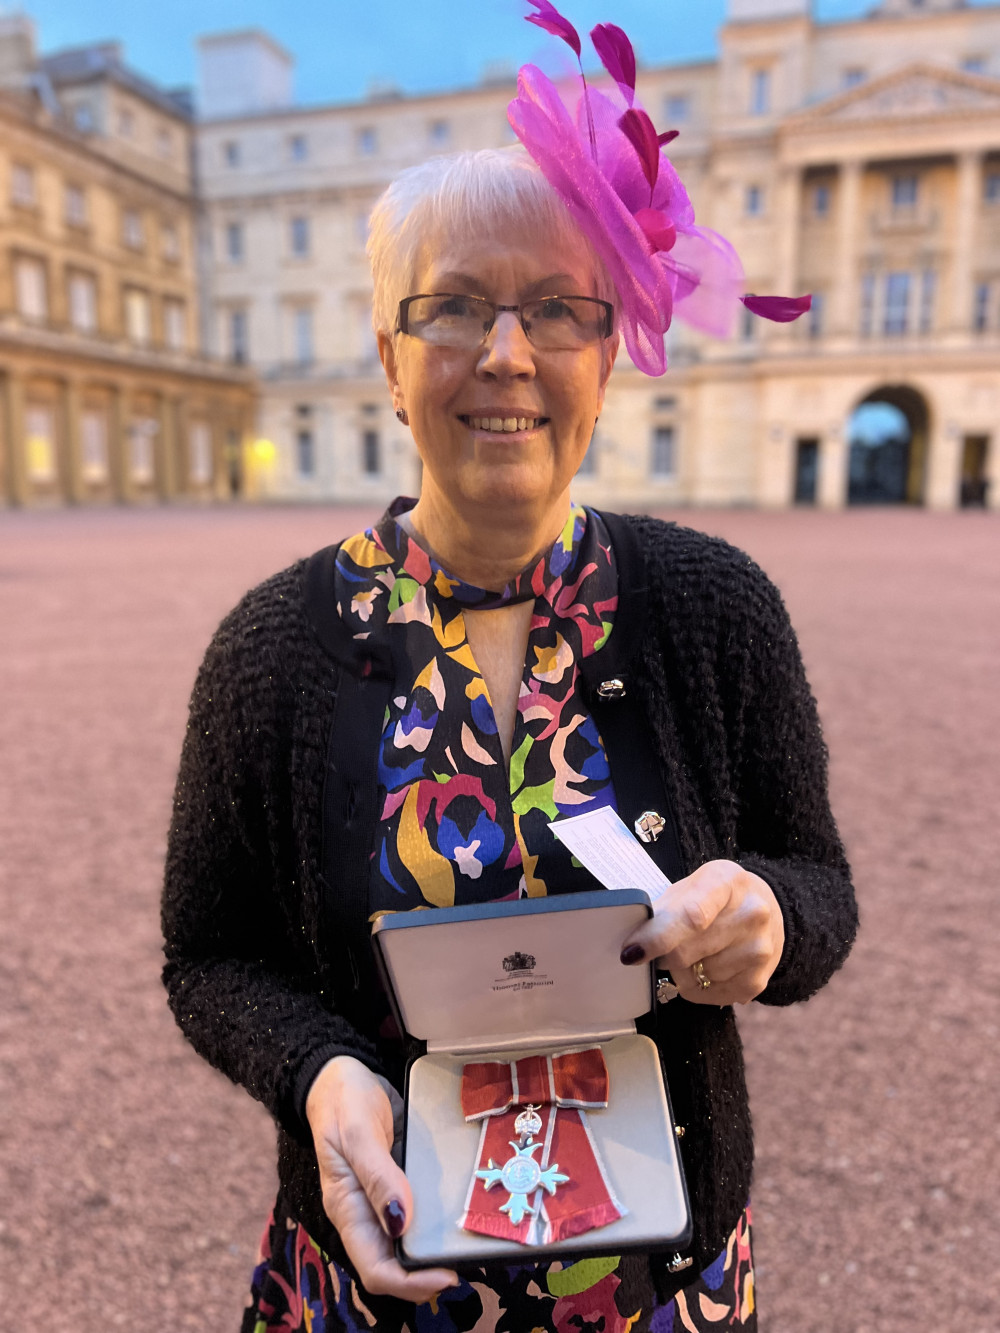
503 425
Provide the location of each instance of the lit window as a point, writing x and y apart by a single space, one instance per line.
676 109
928 286
132 233
305 453
76 206
981 312
200 467
754 201
439 132
231 153
137 321
367 141
904 191
32 289
896 317
83 302
760 92
234 241
298 236
302 327
239 342
991 187
852 77
94 446
142 460
370 462
174 322
664 459
821 201
40 441
22 185
298 148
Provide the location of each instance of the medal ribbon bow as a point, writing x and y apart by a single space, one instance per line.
568 1190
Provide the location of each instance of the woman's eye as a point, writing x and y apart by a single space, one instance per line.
455 307
556 310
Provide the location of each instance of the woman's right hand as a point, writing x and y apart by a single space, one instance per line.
365 1194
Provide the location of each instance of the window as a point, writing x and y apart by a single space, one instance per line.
231 153
753 201
298 148
239 341
896 317
991 187
126 123
298 237
815 324
439 133
904 191
664 460
760 92
867 304
32 289
748 325
132 230
676 109
83 118
981 309
75 204
200 453
367 141
142 464
174 330
302 333
305 452
164 143
852 77
170 242
93 446
234 242
370 461
928 286
137 321
22 185
975 64
821 200
588 463
83 302
40 442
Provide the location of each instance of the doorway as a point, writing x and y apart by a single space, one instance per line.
887 434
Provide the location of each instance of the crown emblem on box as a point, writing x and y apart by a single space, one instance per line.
518 962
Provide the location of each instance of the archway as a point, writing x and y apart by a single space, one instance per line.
887 433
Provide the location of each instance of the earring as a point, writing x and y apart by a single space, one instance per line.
401 416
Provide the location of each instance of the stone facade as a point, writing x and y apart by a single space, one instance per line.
103 393
858 160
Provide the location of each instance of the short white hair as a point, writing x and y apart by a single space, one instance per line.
464 193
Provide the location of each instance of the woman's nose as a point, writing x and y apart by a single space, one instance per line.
506 349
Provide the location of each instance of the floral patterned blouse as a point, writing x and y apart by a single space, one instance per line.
455 827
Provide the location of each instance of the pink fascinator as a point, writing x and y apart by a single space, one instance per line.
605 160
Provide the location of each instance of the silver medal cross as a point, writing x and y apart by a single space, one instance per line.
521 1175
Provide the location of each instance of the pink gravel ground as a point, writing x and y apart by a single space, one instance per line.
135 1180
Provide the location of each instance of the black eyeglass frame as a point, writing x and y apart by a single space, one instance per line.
407 301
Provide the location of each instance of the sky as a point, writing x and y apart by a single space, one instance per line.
342 48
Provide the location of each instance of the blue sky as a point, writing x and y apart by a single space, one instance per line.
418 45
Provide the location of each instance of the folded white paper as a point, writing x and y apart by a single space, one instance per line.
601 841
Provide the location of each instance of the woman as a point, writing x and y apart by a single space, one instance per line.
392 724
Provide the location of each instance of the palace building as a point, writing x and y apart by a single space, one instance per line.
104 395
857 160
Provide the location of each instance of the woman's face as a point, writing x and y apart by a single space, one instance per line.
454 396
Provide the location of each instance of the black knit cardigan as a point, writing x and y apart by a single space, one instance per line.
269 970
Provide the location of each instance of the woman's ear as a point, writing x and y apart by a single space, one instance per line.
387 355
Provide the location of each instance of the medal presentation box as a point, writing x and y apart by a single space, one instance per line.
501 982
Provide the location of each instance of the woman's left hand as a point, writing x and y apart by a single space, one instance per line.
721 917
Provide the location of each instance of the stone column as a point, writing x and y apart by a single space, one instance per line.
944 467
13 429
849 229
831 486
967 195
70 444
168 462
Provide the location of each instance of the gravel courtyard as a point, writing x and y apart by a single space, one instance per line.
134 1181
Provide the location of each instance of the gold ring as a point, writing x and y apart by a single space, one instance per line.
699 975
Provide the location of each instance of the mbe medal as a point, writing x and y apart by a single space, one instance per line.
520 1176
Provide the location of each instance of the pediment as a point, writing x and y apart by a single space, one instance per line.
908 94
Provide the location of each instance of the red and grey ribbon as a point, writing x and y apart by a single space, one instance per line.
564 1085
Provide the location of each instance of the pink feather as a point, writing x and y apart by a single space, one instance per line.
549 18
659 231
668 136
638 129
617 56
780 309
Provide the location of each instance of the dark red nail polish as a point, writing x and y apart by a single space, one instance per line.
631 954
395 1218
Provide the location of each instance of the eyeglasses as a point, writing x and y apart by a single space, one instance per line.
552 323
